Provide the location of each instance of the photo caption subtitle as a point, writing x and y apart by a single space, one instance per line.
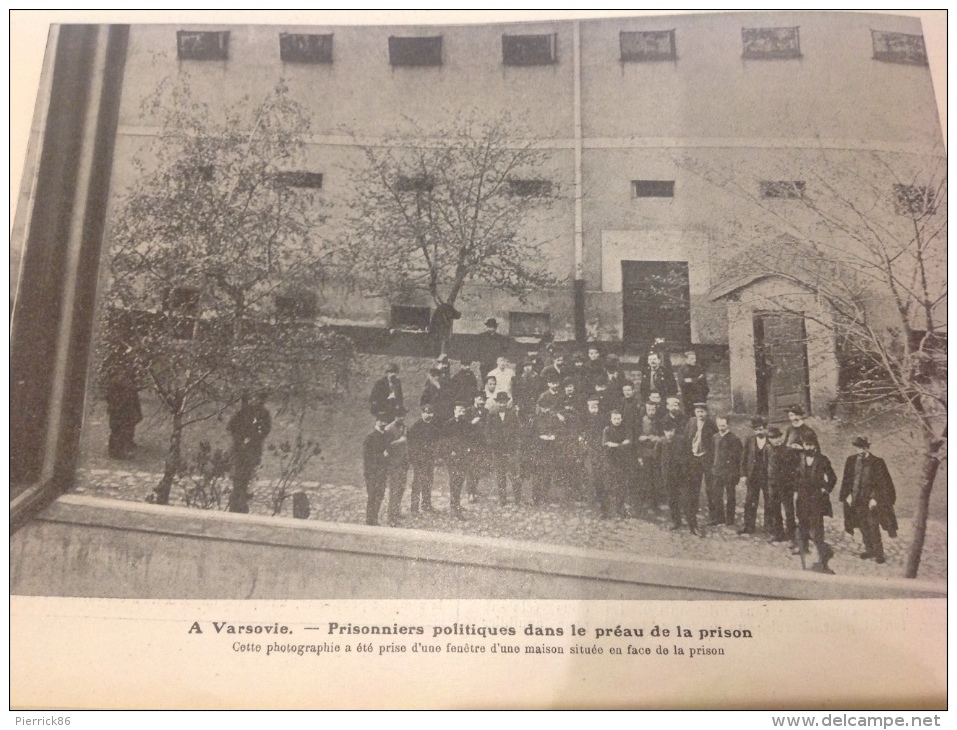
472 638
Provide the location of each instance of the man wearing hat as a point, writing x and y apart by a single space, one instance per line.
815 481
549 420
375 466
398 460
502 438
699 459
438 394
458 439
423 439
440 325
754 473
387 392
781 467
492 346
248 427
794 441
868 494
526 388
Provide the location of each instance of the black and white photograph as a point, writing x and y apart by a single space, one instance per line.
632 308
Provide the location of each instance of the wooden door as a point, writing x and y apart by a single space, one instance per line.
656 302
780 354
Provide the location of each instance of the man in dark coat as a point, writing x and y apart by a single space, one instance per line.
656 378
698 445
590 433
398 465
423 437
754 471
725 473
248 428
692 382
616 442
491 346
464 383
387 392
781 467
375 466
549 422
502 438
438 394
815 481
124 412
868 494
458 455
440 326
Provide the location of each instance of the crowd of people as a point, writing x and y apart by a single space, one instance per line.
584 432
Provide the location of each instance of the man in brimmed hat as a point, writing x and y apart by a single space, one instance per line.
868 494
387 391
458 440
549 420
754 473
699 442
815 481
423 437
502 436
375 466
398 464
491 346
248 427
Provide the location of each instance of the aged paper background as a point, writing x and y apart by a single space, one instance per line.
91 653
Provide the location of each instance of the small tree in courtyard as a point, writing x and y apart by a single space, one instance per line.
216 265
450 209
866 236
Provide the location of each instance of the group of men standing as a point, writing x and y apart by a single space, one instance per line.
585 432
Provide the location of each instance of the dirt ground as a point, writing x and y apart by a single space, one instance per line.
339 429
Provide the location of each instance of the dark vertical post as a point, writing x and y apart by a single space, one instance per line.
581 334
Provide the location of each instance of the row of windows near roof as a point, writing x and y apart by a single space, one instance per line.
184 301
909 199
542 49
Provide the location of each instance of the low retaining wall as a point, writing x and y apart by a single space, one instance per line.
82 546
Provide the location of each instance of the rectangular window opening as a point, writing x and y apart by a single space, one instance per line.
647 45
528 324
782 189
653 188
422 51
202 45
771 43
298 179
529 50
305 48
415 184
296 306
415 319
899 48
530 188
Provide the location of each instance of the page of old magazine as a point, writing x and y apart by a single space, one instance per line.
529 359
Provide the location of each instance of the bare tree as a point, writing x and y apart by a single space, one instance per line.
215 265
866 235
452 208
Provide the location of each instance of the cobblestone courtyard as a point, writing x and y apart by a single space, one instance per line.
337 494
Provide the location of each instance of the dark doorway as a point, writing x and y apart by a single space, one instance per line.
780 356
656 302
